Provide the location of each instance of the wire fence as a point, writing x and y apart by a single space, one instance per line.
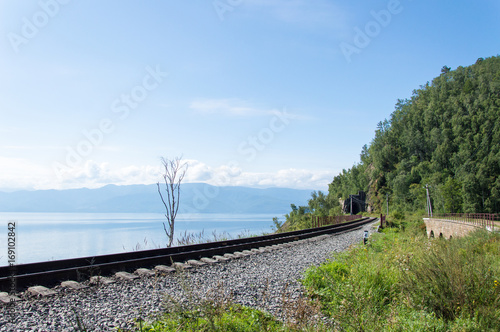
332 220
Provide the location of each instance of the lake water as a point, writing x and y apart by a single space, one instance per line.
52 236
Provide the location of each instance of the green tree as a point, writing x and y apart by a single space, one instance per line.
447 135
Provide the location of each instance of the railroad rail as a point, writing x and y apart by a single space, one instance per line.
79 269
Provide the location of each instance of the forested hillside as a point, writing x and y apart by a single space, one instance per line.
446 135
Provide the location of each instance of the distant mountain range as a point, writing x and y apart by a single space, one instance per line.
195 198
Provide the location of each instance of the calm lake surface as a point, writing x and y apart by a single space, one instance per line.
52 236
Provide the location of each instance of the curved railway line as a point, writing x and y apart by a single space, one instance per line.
80 269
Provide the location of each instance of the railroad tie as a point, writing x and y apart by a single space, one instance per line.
125 276
181 266
142 272
6 298
239 254
165 269
73 285
98 280
41 291
194 262
209 261
222 258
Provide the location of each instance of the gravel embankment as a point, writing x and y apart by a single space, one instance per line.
259 280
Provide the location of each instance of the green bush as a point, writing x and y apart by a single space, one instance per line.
217 311
230 318
457 278
403 281
355 289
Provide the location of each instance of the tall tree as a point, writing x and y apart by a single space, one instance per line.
175 169
446 135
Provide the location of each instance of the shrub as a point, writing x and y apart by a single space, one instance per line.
456 278
403 281
354 288
228 318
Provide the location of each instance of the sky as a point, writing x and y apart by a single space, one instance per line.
259 93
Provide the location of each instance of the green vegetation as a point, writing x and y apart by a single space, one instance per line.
446 135
319 205
403 281
200 237
399 281
228 318
218 312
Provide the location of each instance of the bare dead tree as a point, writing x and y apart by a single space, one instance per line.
175 170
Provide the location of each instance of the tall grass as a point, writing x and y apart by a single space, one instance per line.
399 281
403 281
218 311
200 237
457 279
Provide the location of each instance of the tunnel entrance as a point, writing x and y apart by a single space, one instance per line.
358 203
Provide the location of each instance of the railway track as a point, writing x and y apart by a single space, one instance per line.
80 269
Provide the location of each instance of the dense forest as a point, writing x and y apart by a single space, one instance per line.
447 135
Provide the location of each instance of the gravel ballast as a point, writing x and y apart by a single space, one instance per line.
260 280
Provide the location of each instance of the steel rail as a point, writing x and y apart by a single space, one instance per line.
79 269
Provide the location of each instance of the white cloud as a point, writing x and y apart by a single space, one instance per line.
287 178
94 175
324 13
21 174
233 107
236 107
233 175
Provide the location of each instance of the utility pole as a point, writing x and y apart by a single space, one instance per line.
387 199
429 206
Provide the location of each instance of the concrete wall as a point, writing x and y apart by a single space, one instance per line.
448 228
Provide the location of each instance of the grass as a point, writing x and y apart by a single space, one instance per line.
403 281
200 237
399 281
227 318
188 238
217 311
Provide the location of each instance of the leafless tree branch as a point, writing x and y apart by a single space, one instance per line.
175 170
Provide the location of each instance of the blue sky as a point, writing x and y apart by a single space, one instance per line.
250 92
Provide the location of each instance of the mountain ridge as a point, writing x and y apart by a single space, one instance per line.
195 198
